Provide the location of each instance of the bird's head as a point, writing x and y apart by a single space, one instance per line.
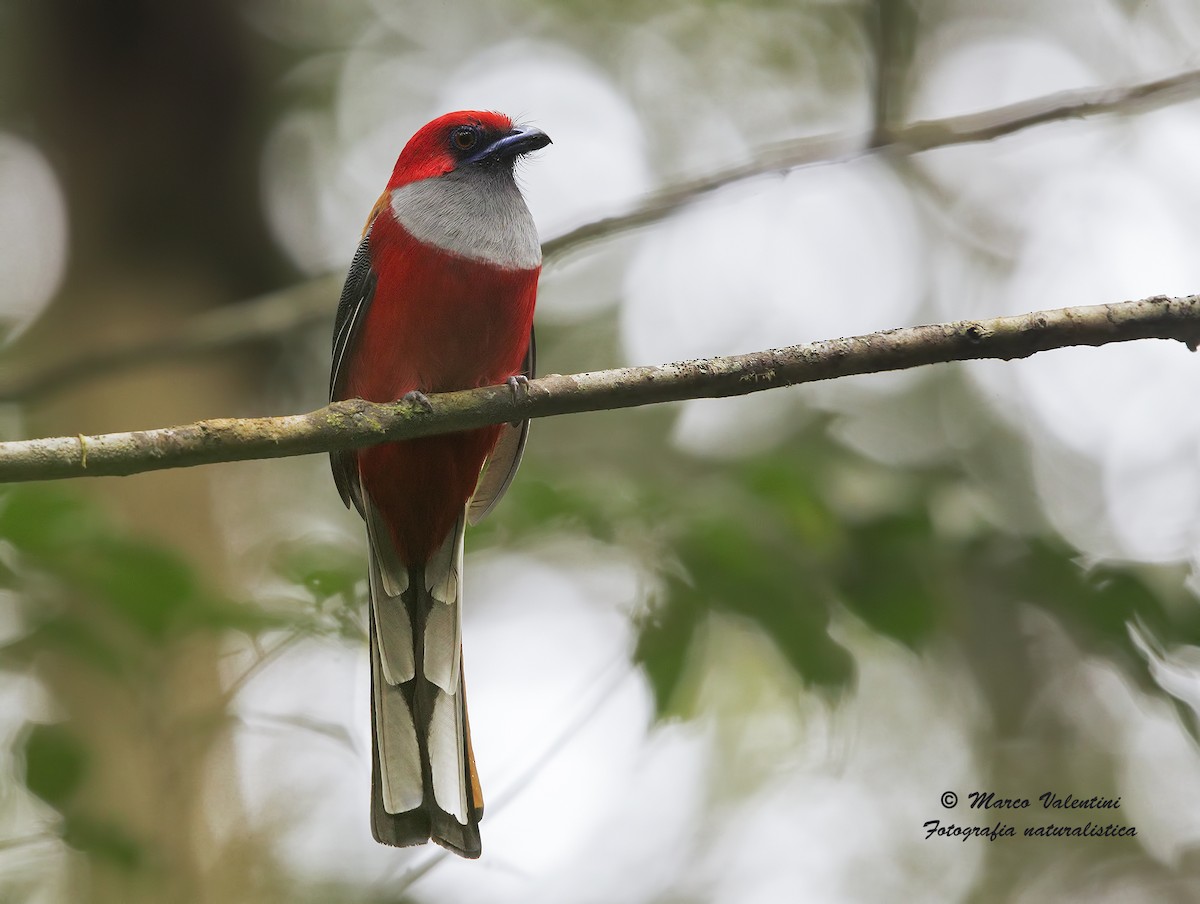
457 141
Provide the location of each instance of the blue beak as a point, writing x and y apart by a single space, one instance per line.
507 147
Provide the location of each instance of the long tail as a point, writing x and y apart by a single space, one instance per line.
423 780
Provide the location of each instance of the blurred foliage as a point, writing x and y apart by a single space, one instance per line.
155 115
767 539
332 578
139 596
115 608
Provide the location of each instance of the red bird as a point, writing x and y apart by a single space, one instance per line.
439 297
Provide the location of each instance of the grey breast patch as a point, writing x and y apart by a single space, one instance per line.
476 213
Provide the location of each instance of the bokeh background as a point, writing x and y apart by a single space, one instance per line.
723 651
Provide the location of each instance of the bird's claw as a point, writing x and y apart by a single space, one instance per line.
518 384
419 398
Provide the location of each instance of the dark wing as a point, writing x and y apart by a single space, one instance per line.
505 458
351 314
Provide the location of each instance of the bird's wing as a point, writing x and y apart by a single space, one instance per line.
502 464
357 293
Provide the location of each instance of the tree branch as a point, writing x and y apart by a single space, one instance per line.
298 306
925 135
356 423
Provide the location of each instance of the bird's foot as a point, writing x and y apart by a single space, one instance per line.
419 398
518 384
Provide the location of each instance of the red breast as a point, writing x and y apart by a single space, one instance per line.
456 261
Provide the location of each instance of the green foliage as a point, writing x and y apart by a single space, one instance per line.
333 577
325 570
890 580
100 604
534 504
741 568
139 594
774 541
55 767
666 635
103 839
55 763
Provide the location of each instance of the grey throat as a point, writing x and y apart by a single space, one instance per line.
477 213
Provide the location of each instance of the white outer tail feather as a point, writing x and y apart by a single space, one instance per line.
446 745
396 736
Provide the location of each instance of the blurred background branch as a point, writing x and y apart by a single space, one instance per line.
274 316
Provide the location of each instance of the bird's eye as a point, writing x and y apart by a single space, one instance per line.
465 138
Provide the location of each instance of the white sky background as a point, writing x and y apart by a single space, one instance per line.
1077 213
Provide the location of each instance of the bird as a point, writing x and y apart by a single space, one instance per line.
439 296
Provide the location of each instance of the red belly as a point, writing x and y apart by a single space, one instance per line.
437 322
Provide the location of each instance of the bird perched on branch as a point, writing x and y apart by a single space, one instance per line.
440 297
